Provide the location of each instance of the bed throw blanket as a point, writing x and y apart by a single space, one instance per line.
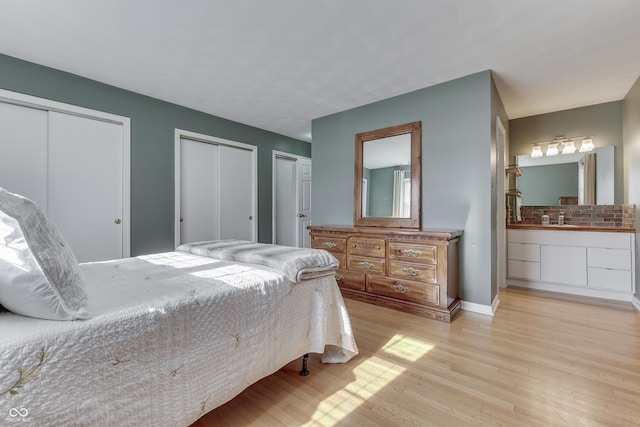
295 263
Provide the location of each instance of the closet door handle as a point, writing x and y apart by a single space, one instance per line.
117 221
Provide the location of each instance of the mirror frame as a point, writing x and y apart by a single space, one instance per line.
415 130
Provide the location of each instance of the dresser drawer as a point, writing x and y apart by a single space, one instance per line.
335 245
350 280
366 265
417 272
366 246
342 260
421 293
413 253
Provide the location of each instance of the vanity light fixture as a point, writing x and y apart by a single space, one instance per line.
552 149
562 145
569 147
587 145
536 151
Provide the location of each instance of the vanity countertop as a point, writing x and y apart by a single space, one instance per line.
569 227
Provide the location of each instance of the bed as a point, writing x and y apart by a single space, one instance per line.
162 339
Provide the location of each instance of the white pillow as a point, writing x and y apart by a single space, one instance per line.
39 275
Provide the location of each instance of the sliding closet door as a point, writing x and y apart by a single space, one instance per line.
198 191
236 193
23 152
86 184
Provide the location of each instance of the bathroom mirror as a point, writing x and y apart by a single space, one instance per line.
387 177
545 180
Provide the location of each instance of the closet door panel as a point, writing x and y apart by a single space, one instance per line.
198 191
236 194
86 185
23 152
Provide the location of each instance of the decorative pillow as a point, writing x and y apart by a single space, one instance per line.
39 275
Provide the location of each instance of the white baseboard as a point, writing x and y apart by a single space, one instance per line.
489 310
636 302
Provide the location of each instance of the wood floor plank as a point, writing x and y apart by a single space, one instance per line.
543 360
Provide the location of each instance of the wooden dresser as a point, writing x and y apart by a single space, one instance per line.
408 270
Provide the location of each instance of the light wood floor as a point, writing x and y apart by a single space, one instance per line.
542 360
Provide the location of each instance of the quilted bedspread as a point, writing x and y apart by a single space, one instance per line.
171 336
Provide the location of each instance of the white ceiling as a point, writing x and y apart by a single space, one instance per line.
278 64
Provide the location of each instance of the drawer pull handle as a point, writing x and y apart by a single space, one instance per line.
410 271
366 265
339 277
410 253
329 245
378 247
400 289
354 246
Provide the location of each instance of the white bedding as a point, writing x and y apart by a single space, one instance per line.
170 337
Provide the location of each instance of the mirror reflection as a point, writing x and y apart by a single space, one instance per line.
386 177
570 179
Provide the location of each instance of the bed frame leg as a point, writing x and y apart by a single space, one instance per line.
304 372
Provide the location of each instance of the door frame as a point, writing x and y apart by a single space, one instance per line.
208 139
274 155
29 101
501 208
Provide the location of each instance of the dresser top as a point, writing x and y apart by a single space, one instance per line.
432 233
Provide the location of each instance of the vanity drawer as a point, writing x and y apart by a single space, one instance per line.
418 272
523 251
367 246
523 269
350 280
612 280
413 253
366 265
335 245
619 259
420 293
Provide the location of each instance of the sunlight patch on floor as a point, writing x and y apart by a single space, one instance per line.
371 376
407 348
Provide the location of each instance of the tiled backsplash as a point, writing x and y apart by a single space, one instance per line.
583 215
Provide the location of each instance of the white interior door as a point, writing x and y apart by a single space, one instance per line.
304 202
291 199
85 162
237 206
23 152
199 219
285 203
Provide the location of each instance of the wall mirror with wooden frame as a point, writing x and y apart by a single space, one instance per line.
387 177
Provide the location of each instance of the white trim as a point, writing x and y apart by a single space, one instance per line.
636 302
480 308
501 205
573 290
21 99
283 155
208 139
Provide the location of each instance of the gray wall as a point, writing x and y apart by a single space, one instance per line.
152 139
458 167
631 130
603 121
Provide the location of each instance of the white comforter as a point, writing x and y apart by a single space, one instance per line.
171 336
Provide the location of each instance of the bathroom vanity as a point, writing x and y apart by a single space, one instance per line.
591 261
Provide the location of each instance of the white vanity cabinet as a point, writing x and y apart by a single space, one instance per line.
599 264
